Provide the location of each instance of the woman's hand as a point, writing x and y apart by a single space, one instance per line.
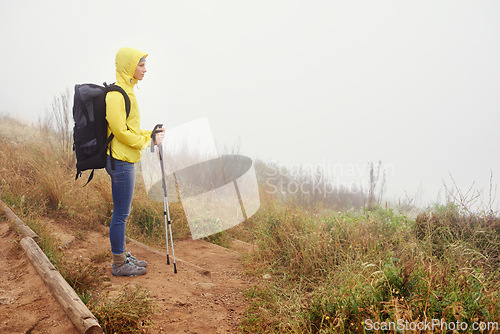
159 135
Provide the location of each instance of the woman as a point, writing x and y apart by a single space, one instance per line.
125 150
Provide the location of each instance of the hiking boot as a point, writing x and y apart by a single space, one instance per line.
127 269
133 259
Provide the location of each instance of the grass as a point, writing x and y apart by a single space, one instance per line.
325 271
129 312
84 278
101 257
331 274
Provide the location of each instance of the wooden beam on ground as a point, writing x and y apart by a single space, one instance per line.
18 224
76 310
242 246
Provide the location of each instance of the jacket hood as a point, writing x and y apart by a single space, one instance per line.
126 61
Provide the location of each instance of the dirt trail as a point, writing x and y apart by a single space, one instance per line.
26 304
191 301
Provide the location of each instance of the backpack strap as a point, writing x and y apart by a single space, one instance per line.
116 88
91 176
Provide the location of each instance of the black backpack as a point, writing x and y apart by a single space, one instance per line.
90 137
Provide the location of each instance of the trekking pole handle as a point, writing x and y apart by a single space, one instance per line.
153 133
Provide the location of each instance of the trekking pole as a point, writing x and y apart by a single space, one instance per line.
166 211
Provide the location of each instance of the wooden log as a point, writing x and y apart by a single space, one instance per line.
76 310
18 224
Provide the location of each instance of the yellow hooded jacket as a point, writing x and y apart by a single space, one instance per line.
129 140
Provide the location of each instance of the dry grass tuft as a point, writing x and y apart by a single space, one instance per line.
129 312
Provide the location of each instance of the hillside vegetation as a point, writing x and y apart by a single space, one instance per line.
330 264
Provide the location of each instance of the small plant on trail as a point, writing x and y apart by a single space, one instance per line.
129 312
222 239
83 278
101 257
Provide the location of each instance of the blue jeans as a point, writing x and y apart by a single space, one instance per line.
122 188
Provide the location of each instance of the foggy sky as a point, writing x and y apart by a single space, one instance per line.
337 83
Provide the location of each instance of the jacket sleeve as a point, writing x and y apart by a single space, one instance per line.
117 122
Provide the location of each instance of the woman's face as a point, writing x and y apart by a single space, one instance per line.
140 70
